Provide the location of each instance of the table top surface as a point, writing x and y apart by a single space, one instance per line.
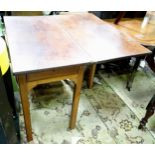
38 43
101 40
46 42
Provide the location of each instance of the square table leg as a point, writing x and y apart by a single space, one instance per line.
25 104
76 97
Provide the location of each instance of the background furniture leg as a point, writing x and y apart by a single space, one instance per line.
150 60
120 15
10 93
149 112
132 74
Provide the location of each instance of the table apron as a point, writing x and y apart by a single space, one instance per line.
41 77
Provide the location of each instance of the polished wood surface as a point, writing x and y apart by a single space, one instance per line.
102 41
38 43
141 30
60 41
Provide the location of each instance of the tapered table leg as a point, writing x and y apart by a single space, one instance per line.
76 98
25 104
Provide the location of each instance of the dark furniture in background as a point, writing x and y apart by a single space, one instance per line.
4 13
119 14
150 107
150 61
9 121
9 108
129 14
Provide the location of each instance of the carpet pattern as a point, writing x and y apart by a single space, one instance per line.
107 112
141 93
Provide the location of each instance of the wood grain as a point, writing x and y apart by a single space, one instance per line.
102 41
38 43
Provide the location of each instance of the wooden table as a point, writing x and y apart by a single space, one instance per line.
101 40
42 52
52 48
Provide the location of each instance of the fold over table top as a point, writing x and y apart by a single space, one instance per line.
45 42
38 43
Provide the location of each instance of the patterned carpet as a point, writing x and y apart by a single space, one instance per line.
108 113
